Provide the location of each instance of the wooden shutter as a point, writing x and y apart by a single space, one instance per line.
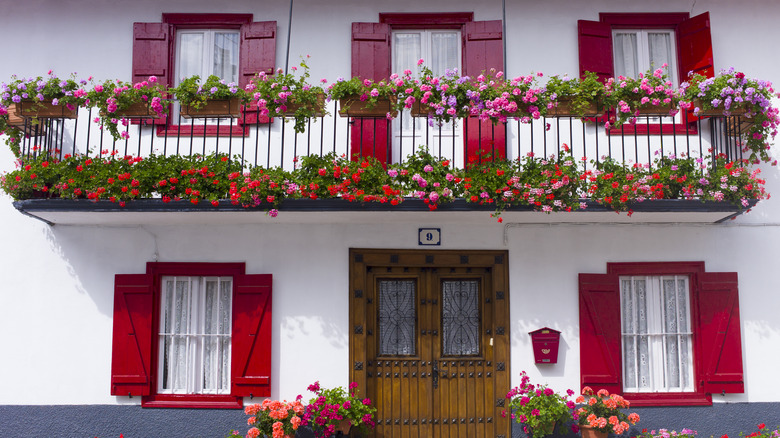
258 50
595 47
483 50
132 339
151 52
718 330
251 361
371 60
600 346
694 48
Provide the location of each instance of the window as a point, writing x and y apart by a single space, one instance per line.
372 48
664 333
192 335
656 334
441 50
185 44
626 43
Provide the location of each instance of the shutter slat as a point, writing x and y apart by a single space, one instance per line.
252 336
132 337
482 51
600 346
719 333
258 50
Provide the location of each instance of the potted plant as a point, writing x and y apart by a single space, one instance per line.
601 413
273 418
732 94
287 95
576 97
336 411
117 101
51 97
440 98
651 93
539 408
212 98
364 98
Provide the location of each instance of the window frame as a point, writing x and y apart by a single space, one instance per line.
711 315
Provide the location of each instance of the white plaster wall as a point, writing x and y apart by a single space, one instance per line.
57 294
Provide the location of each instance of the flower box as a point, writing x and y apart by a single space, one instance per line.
420 109
44 110
18 122
138 109
565 108
736 125
317 108
736 110
213 109
648 109
354 107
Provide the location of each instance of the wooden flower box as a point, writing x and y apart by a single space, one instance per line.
318 107
213 109
44 110
736 110
648 109
354 107
565 109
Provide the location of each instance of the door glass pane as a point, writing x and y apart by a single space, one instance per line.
397 317
626 55
460 318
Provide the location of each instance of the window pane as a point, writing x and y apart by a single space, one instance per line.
190 60
626 55
444 52
460 318
659 46
397 317
226 56
407 49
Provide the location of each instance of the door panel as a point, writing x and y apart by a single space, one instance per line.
425 346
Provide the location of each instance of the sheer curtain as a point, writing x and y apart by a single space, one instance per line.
626 52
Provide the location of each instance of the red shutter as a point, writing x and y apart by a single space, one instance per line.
152 56
482 51
371 60
595 46
720 341
694 48
600 363
132 343
251 362
258 50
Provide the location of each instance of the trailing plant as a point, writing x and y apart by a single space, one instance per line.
583 95
332 406
67 92
423 176
114 98
364 90
192 93
539 408
629 95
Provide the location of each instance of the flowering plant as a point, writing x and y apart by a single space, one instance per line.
273 418
191 92
629 96
539 407
114 98
278 94
583 94
763 432
664 433
733 93
426 177
602 411
333 406
444 98
365 90
68 92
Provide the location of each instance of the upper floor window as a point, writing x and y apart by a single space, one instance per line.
638 50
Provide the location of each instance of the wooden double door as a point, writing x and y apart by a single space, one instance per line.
430 341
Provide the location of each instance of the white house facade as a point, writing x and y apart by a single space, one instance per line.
383 295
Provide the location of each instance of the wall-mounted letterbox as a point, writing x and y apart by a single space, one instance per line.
545 342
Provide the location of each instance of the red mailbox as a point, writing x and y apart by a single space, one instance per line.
545 342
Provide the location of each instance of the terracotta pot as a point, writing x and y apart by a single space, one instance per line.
565 109
343 427
213 109
18 122
354 107
589 432
318 107
44 110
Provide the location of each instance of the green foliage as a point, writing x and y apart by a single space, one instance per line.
192 93
539 408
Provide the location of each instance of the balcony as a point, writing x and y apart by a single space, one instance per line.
273 143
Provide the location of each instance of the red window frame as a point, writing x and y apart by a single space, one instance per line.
693 40
155 43
717 350
137 304
371 59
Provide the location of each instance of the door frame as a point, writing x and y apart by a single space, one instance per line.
362 261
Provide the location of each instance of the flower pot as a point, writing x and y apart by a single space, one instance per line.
545 429
44 110
138 109
735 110
317 107
420 109
213 109
590 432
354 107
648 109
343 427
17 121
565 108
